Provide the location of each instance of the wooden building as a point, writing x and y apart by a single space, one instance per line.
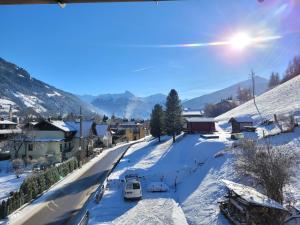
244 205
241 124
199 125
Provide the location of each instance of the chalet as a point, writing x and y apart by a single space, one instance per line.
8 128
199 125
241 124
57 140
244 205
52 140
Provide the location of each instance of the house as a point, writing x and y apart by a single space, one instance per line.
245 205
199 125
240 124
8 129
52 140
104 134
57 140
129 131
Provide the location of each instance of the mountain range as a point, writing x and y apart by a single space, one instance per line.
125 104
28 95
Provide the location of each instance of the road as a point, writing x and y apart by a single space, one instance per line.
67 201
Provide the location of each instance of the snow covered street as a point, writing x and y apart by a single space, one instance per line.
189 168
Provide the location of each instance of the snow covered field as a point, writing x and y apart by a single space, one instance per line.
190 163
8 180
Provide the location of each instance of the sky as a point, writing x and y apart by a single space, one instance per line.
144 47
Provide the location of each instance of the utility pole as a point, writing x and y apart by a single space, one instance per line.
81 135
253 93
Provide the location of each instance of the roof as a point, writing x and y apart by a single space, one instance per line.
192 113
86 127
199 119
62 125
252 196
44 140
102 129
7 122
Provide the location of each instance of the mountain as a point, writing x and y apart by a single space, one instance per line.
28 95
261 85
280 100
125 104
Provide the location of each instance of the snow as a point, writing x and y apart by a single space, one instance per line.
280 100
8 180
31 101
190 163
20 75
55 93
64 126
199 119
251 195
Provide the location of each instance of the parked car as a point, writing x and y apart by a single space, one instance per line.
132 188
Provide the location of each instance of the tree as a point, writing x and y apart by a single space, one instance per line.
244 94
293 69
157 121
173 119
270 166
274 80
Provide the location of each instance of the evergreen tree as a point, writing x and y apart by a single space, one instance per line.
173 119
274 80
157 121
293 69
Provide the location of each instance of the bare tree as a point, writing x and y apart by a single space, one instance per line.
270 166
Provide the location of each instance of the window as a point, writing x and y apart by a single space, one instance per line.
60 148
136 186
30 147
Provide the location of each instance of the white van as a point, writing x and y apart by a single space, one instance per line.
132 189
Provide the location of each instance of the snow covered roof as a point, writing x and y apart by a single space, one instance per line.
192 113
199 119
86 127
62 125
45 139
101 129
7 122
251 195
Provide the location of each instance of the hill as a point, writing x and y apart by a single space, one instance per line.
280 100
214 97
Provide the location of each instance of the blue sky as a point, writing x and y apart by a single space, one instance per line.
113 47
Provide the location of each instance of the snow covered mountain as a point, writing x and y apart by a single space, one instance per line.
200 102
280 100
28 95
125 104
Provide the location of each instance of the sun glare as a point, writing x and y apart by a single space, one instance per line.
240 41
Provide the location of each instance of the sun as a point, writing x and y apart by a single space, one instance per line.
240 41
